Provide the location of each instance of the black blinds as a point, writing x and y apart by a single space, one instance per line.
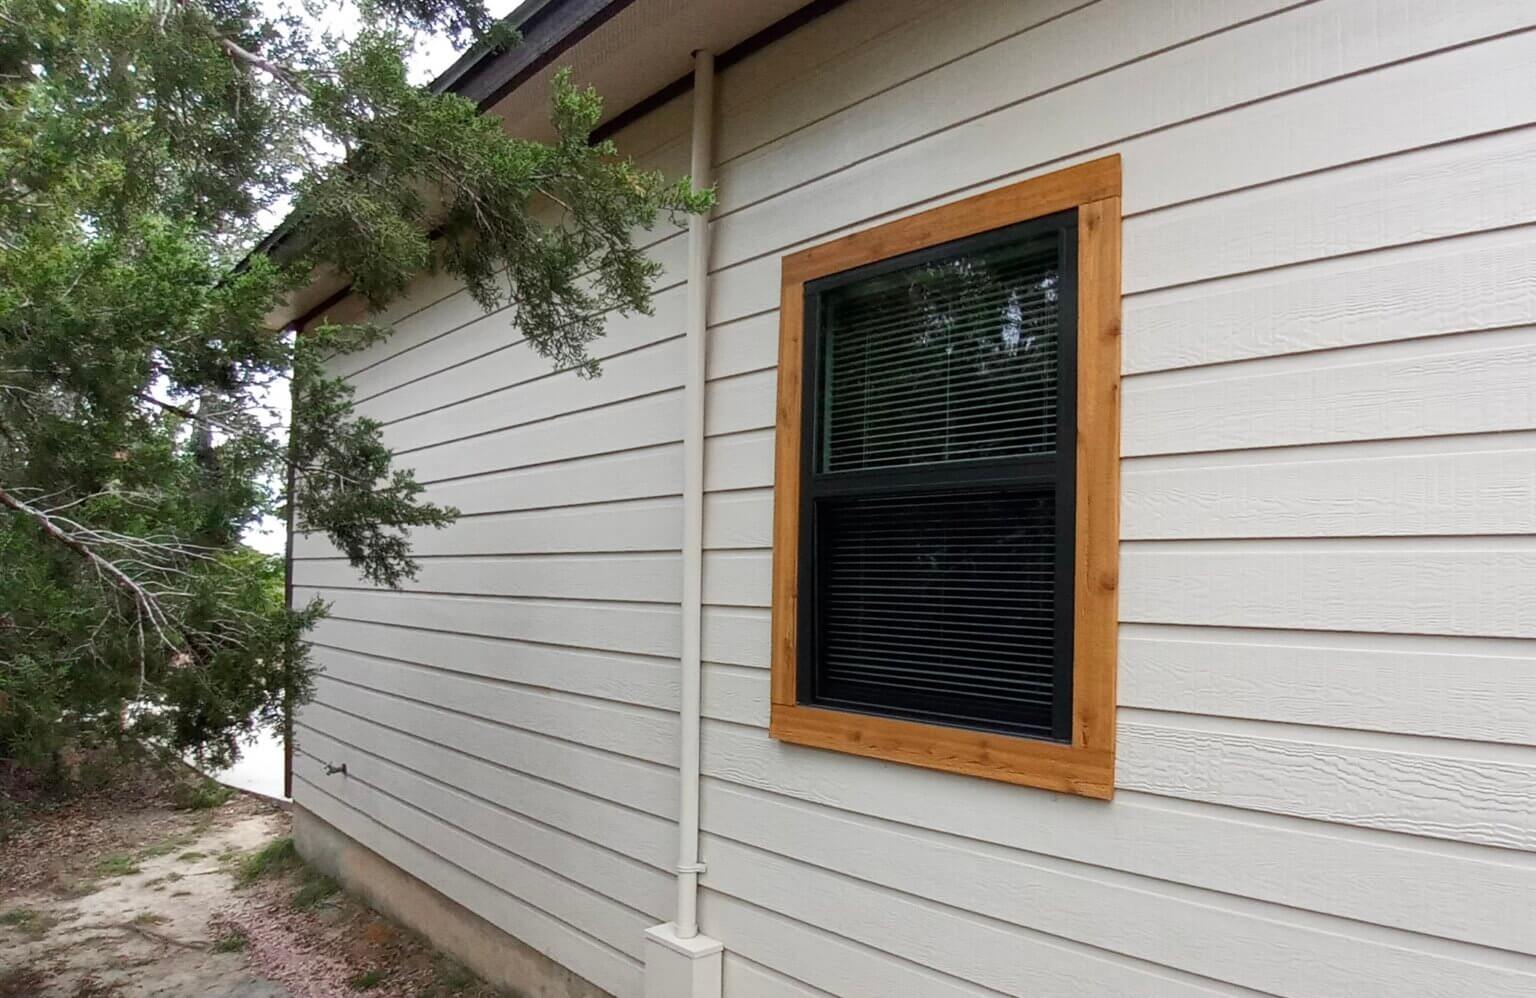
938 553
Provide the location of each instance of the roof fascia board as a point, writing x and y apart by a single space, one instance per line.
548 30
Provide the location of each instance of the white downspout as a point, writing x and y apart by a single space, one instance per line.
679 962
702 173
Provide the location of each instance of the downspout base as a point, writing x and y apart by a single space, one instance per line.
682 968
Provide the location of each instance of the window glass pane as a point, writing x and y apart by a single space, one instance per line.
948 360
942 605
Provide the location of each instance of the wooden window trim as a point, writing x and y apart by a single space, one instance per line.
1085 766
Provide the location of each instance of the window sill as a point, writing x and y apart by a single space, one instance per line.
1074 769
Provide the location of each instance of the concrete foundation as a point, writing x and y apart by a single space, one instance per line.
490 952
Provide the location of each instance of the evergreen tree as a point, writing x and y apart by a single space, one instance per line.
141 144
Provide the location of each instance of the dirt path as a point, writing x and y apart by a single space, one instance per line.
164 886
153 931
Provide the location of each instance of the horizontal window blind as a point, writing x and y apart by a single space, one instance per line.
941 604
950 360
939 455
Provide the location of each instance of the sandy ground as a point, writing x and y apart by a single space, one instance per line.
151 932
128 892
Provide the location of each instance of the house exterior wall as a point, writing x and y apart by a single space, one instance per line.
1326 781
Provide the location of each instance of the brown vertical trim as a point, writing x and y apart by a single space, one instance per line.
786 490
1086 766
1096 606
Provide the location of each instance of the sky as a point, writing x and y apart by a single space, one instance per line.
433 55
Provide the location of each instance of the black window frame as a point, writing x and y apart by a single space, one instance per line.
1029 473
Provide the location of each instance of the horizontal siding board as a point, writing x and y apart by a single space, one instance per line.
1400 106
642 577
1181 84
735 693
1266 947
1478 796
946 939
1483 794
450 331
646 838
609 527
731 520
744 402
637 628
1438 90
453 329
780 94
741 978
1471 893
735 635
1469 689
360 818
1404 489
743 345
641 372
642 422
656 470
643 786
515 365
588 912
426 289
640 733
737 578
1463 688
1476 383
646 681
1457 285
738 461
1394 586
1449 190
602 871
1026 69
731 635
1415 487
739 519
824 960
1480 383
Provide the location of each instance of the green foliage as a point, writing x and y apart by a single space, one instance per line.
232 941
367 980
454 977
117 866
313 891
141 141
199 795
277 856
32 925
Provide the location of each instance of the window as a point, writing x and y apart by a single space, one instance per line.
945 545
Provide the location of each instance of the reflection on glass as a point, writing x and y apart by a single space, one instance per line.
950 360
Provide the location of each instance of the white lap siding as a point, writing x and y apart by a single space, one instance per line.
1328 573
508 718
